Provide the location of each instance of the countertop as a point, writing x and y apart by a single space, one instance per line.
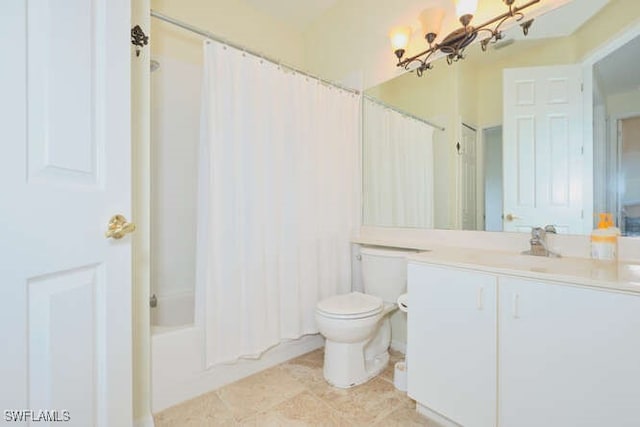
607 275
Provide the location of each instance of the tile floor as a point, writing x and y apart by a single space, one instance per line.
296 394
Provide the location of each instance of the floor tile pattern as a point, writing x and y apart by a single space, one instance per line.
296 394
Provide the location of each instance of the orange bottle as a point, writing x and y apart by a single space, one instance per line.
604 239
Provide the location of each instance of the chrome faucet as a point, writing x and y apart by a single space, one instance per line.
538 242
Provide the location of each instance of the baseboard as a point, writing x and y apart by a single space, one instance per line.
440 420
170 390
146 421
399 346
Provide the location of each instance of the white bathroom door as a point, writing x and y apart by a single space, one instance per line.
544 166
65 290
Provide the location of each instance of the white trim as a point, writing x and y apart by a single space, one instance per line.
625 116
459 182
146 421
174 293
436 417
482 172
614 43
588 62
615 137
587 146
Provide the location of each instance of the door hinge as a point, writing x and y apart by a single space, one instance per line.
581 87
582 214
582 150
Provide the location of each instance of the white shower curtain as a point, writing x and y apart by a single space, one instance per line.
398 169
278 201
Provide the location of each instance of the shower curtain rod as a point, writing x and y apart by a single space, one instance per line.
404 113
208 35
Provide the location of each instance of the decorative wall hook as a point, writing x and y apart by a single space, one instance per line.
139 39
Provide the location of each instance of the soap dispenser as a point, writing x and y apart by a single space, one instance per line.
604 239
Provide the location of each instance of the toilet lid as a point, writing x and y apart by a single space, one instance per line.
353 304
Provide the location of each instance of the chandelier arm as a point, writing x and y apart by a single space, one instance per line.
418 60
424 61
519 16
489 30
416 57
501 18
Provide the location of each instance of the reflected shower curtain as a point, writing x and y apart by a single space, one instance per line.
397 169
278 201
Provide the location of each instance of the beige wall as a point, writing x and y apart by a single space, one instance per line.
231 20
612 19
623 104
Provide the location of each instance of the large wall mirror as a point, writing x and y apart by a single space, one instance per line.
535 131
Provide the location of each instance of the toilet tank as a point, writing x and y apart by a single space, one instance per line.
384 272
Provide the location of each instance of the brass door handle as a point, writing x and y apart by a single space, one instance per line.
118 227
511 217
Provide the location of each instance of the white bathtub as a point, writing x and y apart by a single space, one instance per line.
173 312
178 354
177 364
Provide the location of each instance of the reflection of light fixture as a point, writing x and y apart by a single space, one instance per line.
453 45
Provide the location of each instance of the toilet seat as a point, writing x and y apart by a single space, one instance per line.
354 305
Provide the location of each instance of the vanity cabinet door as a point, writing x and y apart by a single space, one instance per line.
568 356
451 345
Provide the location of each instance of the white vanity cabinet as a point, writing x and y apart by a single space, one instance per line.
451 352
490 349
568 356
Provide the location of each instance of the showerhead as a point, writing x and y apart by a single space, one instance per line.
154 65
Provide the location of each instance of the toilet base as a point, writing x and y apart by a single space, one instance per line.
345 366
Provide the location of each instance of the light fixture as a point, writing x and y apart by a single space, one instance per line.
453 45
400 39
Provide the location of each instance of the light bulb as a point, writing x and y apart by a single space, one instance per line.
431 22
400 37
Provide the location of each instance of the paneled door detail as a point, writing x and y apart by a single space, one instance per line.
65 321
543 149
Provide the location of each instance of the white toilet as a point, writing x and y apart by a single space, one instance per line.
356 325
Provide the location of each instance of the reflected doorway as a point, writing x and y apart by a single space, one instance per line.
468 177
629 190
493 195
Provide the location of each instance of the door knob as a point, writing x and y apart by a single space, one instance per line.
118 227
511 217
